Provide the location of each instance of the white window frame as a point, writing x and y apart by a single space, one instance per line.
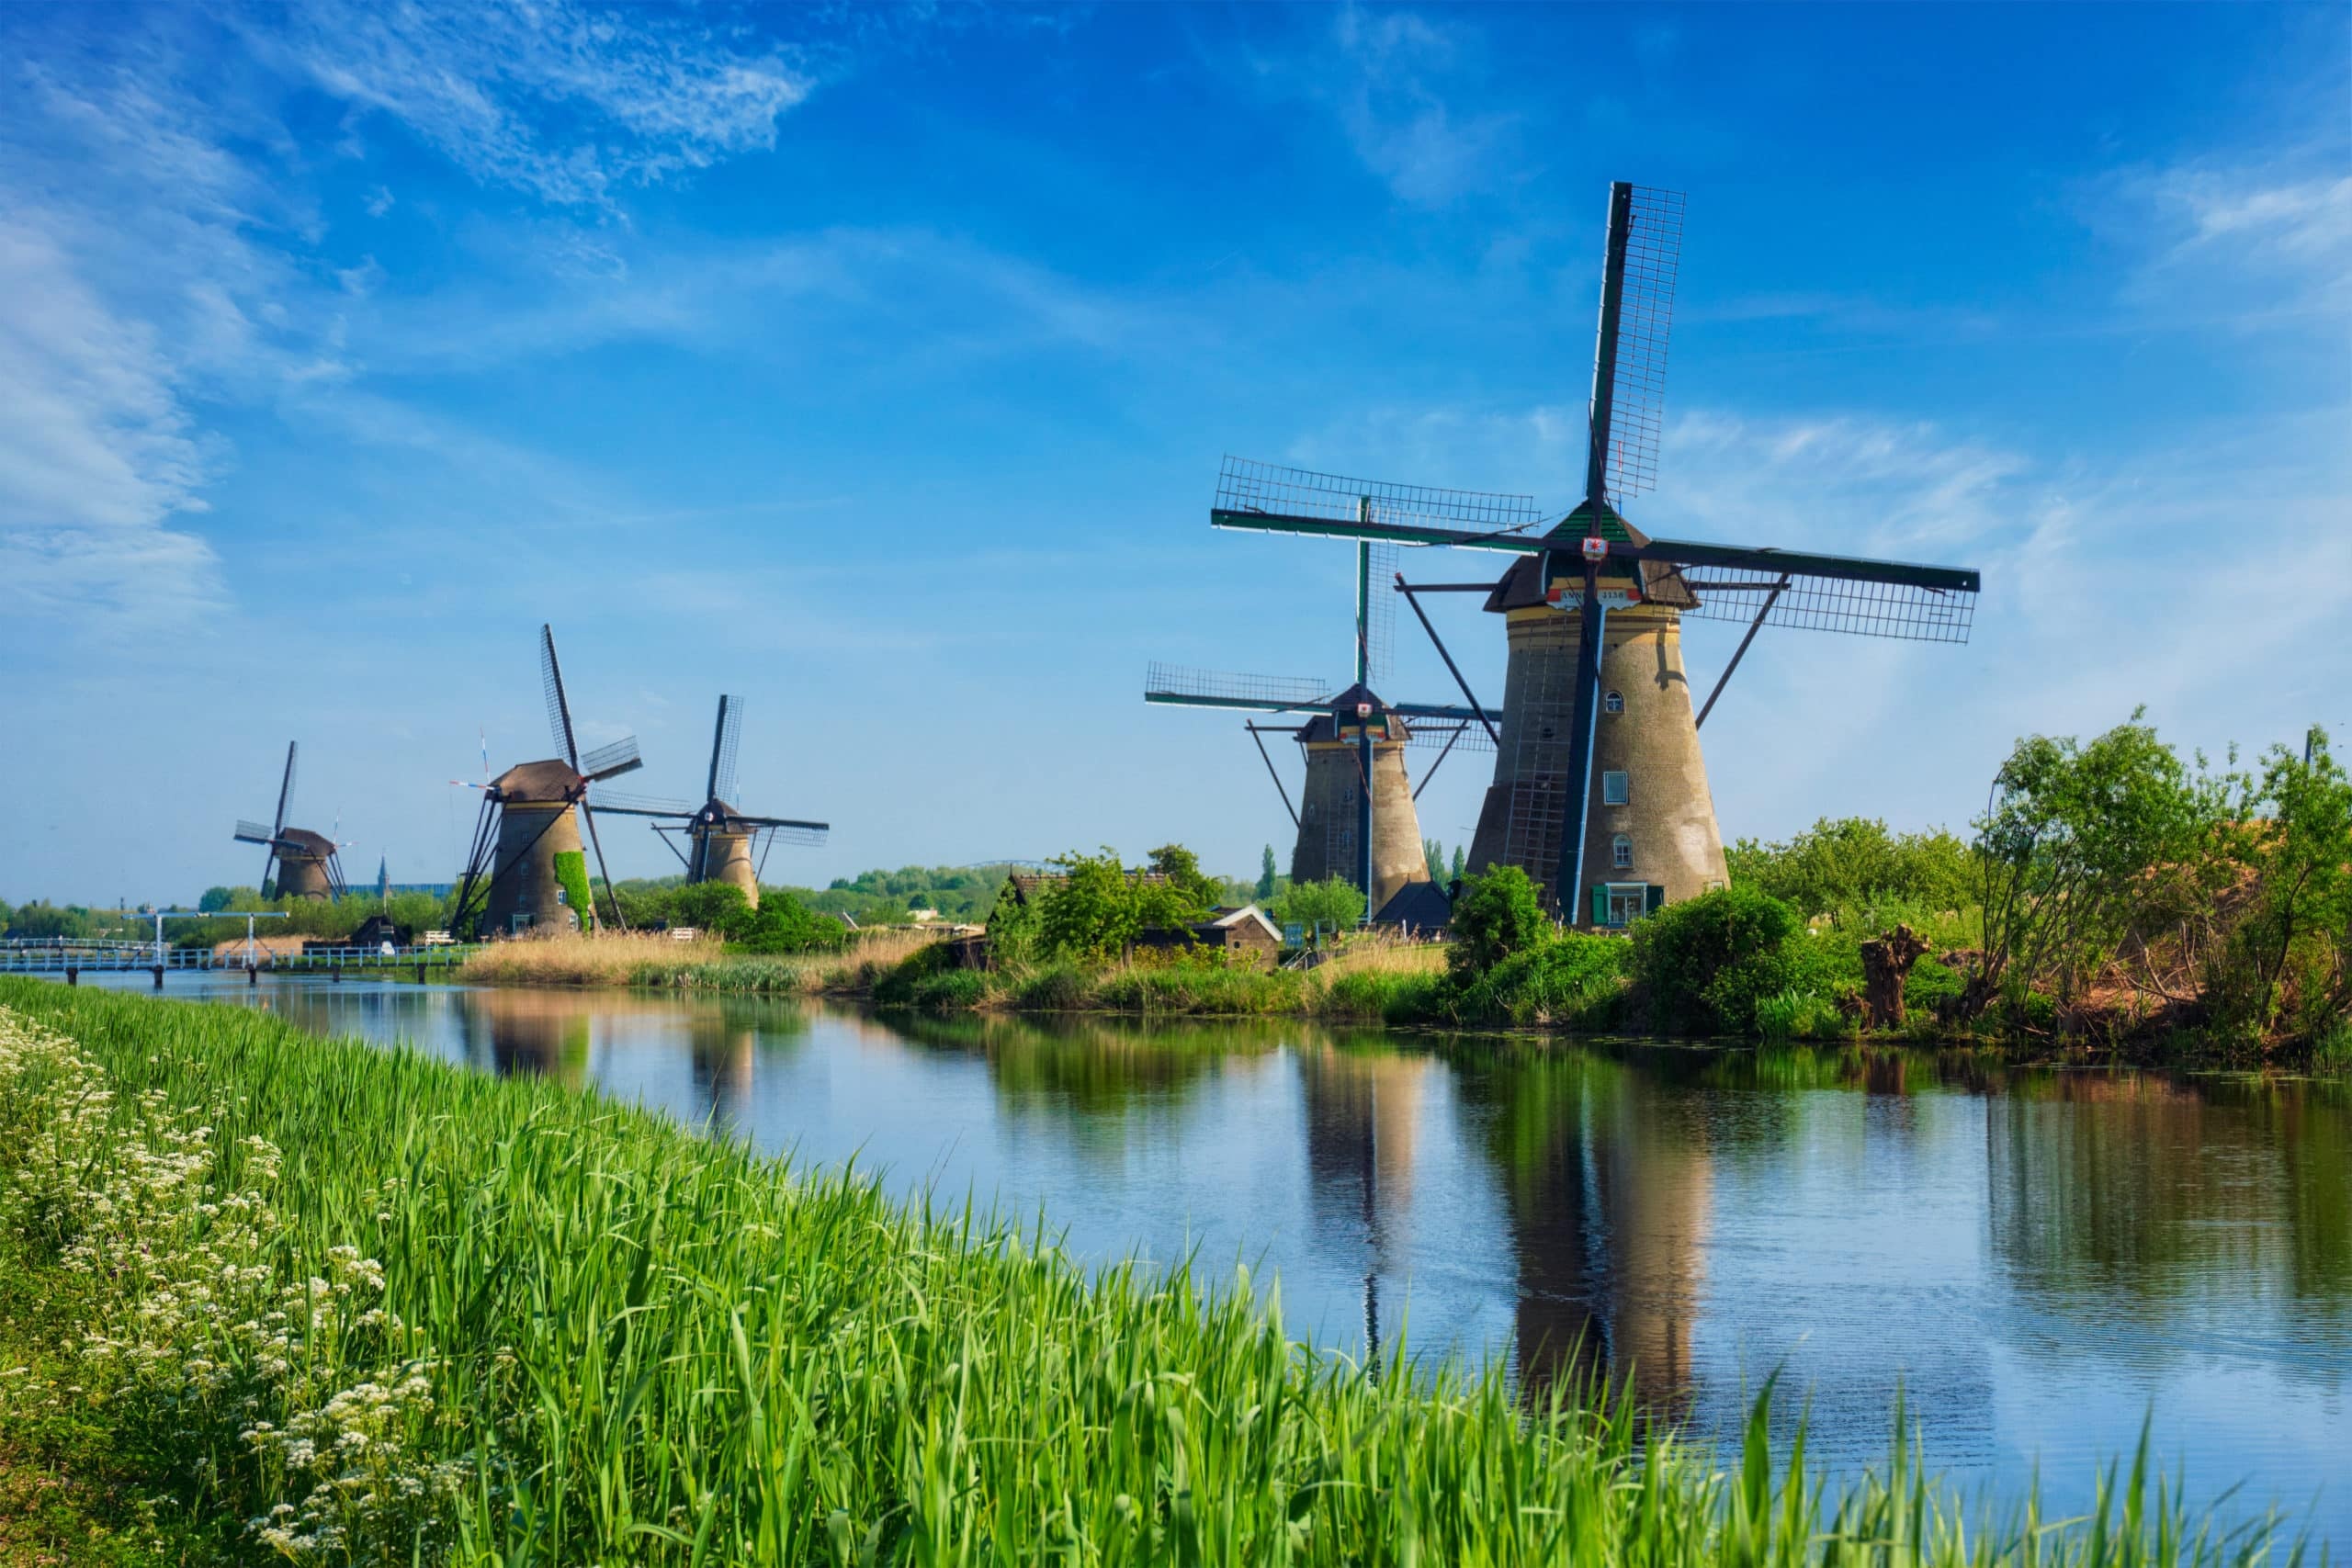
1616 787
1613 702
1637 891
1621 853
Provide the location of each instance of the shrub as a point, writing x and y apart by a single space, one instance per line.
1701 964
1497 916
1575 978
1855 861
1796 1015
1056 988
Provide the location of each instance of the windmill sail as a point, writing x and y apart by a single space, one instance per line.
726 738
1637 317
1216 689
1268 497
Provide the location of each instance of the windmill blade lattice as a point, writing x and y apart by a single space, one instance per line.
1644 321
559 708
725 740
1211 688
1441 734
284 790
620 757
1249 490
250 832
639 805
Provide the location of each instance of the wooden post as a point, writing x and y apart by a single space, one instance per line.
1886 966
159 977
72 976
253 975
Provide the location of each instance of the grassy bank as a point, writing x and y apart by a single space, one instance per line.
342 1304
656 960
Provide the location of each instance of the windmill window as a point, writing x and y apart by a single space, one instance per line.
1613 703
1620 851
1616 788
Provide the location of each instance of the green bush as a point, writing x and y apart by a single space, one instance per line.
1796 1015
1703 964
1056 988
1497 916
1575 978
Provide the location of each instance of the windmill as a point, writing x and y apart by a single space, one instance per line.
525 866
305 864
722 844
1355 817
1599 792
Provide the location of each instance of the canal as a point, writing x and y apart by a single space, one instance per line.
2034 1261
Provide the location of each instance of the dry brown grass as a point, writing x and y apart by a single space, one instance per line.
579 960
1377 954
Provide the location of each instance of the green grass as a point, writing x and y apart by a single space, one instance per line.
540 1328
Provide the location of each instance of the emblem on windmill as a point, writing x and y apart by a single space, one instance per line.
1355 817
720 843
526 870
1599 792
303 864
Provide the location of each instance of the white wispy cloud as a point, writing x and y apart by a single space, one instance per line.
98 452
567 102
2252 240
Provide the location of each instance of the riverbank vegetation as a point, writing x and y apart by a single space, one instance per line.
276 1297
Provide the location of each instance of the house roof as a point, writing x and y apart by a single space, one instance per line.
1247 915
1422 906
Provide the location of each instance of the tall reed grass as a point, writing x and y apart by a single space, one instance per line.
656 959
515 1324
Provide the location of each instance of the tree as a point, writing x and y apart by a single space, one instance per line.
2065 850
1841 866
214 899
1497 915
2293 831
1265 889
1456 876
1099 905
1334 902
1183 870
1433 853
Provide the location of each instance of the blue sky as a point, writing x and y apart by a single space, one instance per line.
876 366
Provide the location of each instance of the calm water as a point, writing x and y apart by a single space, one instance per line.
2036 1260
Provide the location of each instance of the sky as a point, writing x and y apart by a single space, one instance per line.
876 365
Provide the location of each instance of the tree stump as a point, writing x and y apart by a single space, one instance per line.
1886 966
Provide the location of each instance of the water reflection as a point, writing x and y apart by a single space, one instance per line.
2037 1260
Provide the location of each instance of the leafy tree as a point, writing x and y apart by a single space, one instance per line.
1265 888
1433 853
1099 905
1497 915
1181 867
2065 853
2292 833
215 898
1844 867
1457 869
1334 902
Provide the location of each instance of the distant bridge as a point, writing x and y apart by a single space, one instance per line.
75 956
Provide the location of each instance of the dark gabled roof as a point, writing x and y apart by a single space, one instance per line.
1522 585
549 783
1422 906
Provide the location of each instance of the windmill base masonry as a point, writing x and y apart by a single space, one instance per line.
1329 807
727 857
1663 834
527 885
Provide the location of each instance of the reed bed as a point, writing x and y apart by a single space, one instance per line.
656 959
380 1309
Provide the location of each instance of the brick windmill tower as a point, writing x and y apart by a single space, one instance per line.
1355 817
720 843
1600 790
526 871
